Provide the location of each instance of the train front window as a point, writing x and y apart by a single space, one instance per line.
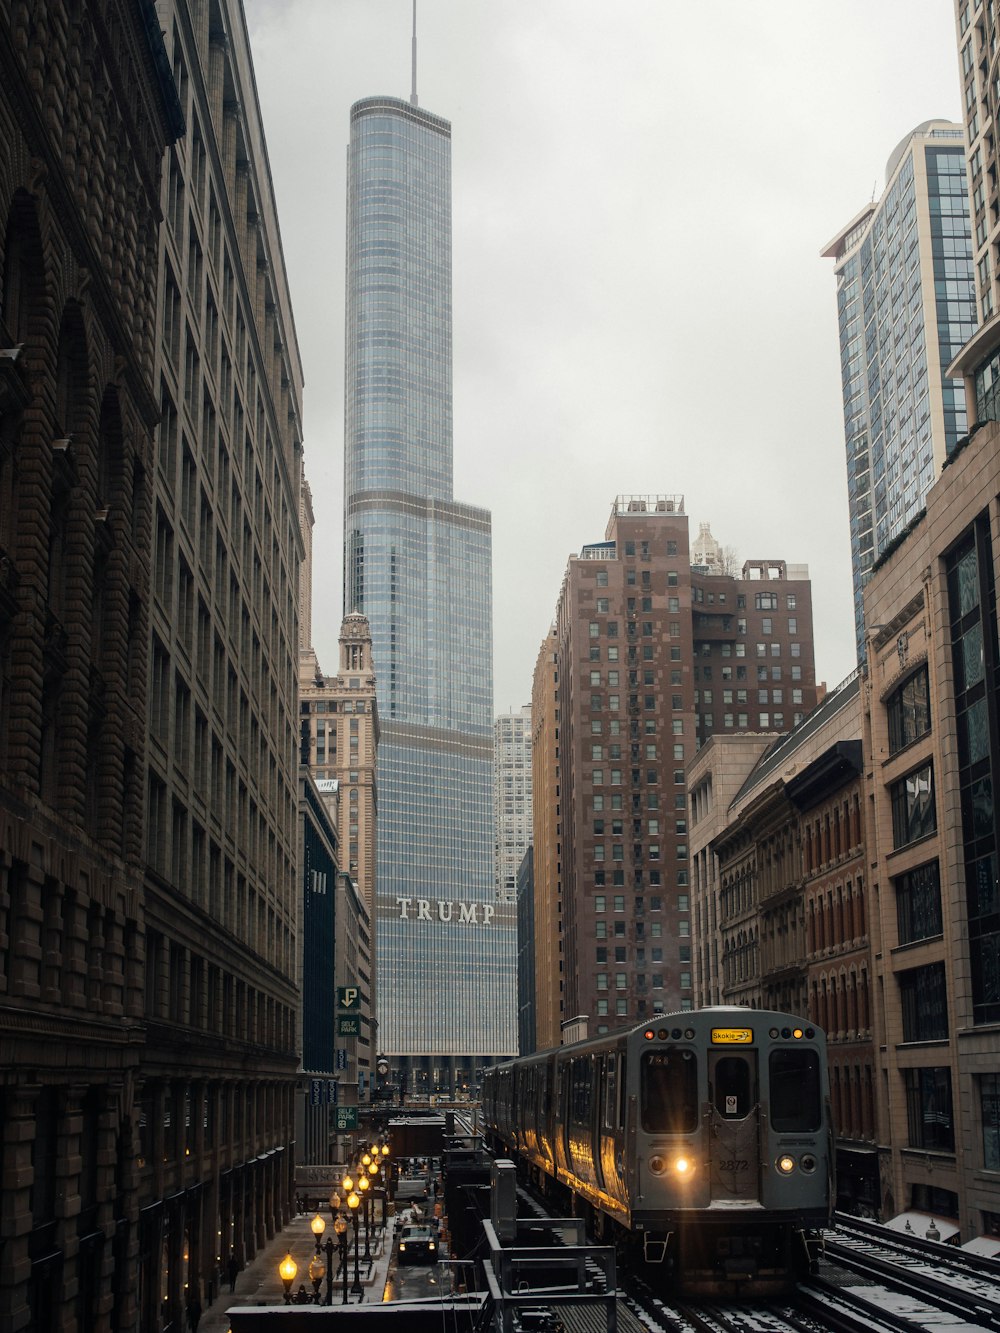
669 1092
731 1091
796 1094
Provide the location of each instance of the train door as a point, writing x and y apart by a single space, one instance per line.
733 1094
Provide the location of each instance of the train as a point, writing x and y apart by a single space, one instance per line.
700 1144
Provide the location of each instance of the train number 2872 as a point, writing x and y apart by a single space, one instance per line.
733 1163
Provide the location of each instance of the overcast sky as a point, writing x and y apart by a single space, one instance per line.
641 190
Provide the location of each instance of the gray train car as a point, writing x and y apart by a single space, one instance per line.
701 1142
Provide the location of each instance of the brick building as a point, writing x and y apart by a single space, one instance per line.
649 657
781 903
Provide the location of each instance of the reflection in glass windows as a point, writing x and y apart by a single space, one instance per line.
929 1116
924 1003
913 806
989 1108
918 903
909 711
972 608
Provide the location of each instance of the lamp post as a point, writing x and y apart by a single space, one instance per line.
340 1227
364 1185
374 1170
317 1269
334 1205
286 1271
354 1203
328 1247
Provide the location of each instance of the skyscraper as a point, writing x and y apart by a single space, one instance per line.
648 658
905 305
417 564
512 798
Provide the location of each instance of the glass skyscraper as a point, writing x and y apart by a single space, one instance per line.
417 564
905 306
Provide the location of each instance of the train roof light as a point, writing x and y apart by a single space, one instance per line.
649 1034
797 1033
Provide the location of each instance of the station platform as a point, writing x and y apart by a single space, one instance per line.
260 1284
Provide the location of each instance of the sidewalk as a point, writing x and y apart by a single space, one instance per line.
260 1284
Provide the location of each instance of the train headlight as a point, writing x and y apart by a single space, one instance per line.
683 1166
786 1164
808 1163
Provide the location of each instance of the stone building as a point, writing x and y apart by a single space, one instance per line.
87 107
339 736
932 759
780 894
221 888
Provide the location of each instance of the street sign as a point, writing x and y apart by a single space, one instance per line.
347 1117
349 997
348 1027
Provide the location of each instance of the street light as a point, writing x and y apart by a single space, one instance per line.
334 1205
340 1227
286 1271
317 1226
354 1203
347 1184
364 1185
317 1272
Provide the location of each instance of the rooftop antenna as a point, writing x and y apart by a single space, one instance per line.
413 90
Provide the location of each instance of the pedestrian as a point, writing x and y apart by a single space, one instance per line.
194 1314
233 1269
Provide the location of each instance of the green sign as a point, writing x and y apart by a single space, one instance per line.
349 997
347 1117
348 1026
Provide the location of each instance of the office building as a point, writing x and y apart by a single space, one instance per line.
84 128
649 658
150 712
526 1020
221 889
781 905
931 753
978 362
417 566
905 305
511 798
546 854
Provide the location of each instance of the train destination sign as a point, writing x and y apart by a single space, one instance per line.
731 1036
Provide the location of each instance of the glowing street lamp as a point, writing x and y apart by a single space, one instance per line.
286 1271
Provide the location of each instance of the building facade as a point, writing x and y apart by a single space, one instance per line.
417 564
933 756
978 362
526 1005
905 306
651 657
221 884
546 854
84 124
339 737
511 798
781 901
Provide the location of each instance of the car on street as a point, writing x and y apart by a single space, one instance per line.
418 1245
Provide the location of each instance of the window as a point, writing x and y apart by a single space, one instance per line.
924 1003
669 1091
766 601
595 629
989 1104
602 578
909 711
602 606
929 1117
918 904
913 814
